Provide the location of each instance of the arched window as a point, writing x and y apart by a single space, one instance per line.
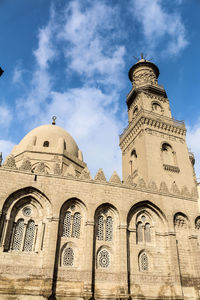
71 224
143 262
18 235
168 155
46 144
29 236
143 229
100 228
105 228
156 107
139 232
109 228
103 258
67 224
68 257
180 221
197 223
76 225
147 234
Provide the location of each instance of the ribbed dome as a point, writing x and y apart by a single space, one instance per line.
47 138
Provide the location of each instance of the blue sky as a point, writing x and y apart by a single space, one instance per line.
71 59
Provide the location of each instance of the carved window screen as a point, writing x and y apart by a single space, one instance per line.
100 228
109 229
76 225
68 257
18 235
144 264
67 224
29 236
104 258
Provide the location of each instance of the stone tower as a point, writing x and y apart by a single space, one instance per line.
153 144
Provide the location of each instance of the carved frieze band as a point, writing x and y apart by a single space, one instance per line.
152 132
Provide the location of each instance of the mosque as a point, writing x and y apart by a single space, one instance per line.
65 235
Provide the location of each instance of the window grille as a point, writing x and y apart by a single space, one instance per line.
29 236
144 262
68 257
147 233
100 229
104 258
18 235
67 224
76 225
139 233
109 229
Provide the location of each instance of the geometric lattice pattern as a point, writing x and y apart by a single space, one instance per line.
104 258
67 224
76 225
109 228
29 236
144 262
18 235
100 228
68 257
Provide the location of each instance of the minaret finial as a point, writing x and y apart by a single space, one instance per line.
54 120
142 55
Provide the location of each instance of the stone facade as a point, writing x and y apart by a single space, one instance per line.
64 235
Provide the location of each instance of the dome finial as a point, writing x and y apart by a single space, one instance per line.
54 120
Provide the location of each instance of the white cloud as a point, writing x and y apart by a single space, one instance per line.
88 112
87 49
6 147
160 26
5 116
17 74
193 138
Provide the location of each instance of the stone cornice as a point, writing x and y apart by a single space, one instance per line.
156 90
150 119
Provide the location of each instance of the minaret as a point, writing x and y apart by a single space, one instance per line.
153 144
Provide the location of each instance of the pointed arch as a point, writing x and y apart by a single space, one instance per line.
26 203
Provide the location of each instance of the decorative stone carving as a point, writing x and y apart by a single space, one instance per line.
185 192
85 174
41 168
26 165
115 178
129 181
70 171
175 189
141 183
163 187
10 162
152 186
100 176
57 169
194 192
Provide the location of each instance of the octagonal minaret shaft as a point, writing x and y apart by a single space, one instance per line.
153 144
